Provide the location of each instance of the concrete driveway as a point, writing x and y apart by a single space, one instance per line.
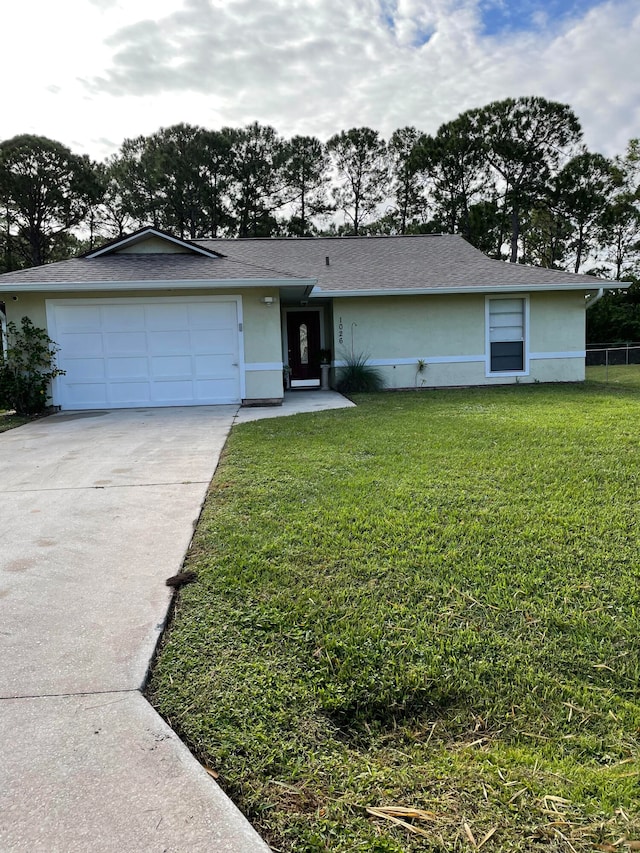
97 510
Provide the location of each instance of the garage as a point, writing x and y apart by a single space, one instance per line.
151 351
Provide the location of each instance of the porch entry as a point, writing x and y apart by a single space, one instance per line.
303 346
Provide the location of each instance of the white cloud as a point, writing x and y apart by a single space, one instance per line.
102 70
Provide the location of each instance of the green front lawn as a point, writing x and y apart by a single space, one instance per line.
431 602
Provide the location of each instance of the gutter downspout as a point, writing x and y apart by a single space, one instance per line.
592 301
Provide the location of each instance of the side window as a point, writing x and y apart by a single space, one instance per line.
506 335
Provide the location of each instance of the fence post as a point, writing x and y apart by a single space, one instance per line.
606 369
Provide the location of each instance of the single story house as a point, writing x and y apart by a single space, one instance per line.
152 320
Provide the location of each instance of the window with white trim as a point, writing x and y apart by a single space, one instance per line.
506 335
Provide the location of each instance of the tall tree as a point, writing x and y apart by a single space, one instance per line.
407 185
216 177
524 141
545 235
136 171
257 181
193 170
620 236
306 179
453 162
620 228
581 192
111 214
179 153
14 249
360 158
486 226
616 317
46 191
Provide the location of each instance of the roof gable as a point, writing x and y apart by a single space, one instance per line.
147 241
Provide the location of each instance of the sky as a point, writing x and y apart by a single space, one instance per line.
90 73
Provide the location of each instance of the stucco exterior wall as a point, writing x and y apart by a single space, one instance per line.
31 305
261 327
449 334
155 246
557 322
262 345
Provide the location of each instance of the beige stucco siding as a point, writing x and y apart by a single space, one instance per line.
31 305
449 334
409 326
155 246
261 327
557 325
557 322
262 345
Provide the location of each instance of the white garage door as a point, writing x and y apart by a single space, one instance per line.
122 353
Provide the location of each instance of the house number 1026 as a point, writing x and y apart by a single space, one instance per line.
340 331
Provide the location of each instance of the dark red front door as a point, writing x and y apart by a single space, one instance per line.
303 338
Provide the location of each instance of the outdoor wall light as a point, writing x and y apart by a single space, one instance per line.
267 300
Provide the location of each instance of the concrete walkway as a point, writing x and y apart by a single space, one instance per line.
295 403
97 510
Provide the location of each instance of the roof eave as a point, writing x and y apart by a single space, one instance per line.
183 284
479 289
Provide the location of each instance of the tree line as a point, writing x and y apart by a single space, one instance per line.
512 177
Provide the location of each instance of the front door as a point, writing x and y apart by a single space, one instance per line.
303 340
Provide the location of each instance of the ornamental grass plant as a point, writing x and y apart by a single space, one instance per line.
357 376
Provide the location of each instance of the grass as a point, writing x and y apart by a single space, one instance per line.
624 376
9 420
431 602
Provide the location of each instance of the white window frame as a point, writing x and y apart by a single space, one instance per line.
487 335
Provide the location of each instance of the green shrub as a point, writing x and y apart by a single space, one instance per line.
26 368
358 377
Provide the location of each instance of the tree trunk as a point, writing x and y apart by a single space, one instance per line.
579 249
8 247
405 205
303 212
618 258
35 248
466 224
515 235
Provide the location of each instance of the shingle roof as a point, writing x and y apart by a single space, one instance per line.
424 263
143 267
421 262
